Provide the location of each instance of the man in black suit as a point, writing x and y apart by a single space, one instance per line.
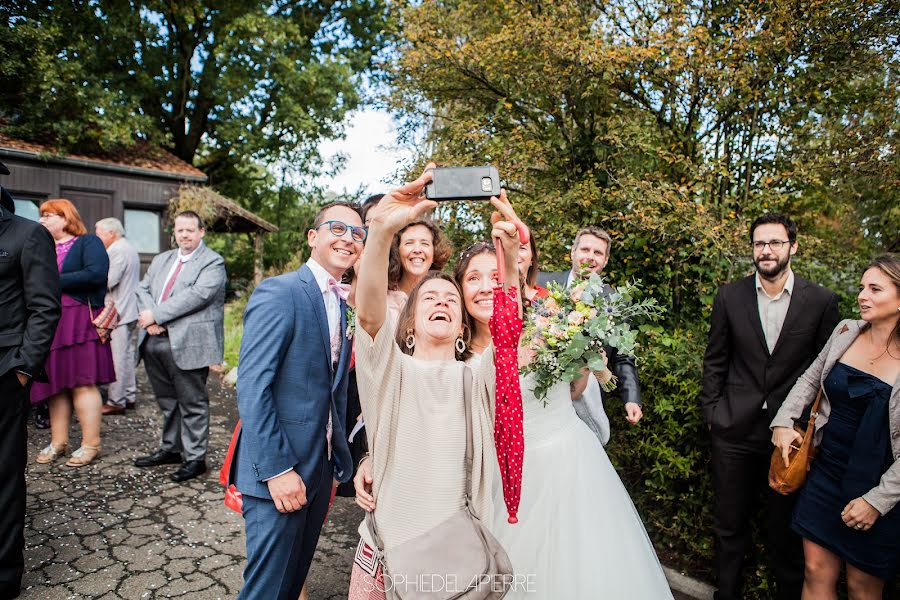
590 253
29 311
765 330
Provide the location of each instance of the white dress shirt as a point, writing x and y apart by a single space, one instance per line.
332 302
773 310
183 258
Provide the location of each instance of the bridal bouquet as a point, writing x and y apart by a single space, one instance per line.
566 331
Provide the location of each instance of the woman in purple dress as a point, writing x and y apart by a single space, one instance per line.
78 361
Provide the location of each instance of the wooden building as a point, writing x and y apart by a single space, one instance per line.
135 186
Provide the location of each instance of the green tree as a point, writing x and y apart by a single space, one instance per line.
671 123
263 80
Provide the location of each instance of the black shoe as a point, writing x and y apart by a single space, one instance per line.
160 457
190 469
41 415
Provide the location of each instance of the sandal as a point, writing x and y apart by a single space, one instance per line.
83 456
50 453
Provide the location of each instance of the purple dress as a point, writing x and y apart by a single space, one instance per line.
76 356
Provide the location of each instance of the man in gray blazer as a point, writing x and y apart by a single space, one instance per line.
122 282
182 300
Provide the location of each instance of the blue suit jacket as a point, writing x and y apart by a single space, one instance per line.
286 385
84 271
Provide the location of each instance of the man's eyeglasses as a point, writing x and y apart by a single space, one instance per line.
775 245
339 228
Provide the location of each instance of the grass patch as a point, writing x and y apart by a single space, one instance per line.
234 329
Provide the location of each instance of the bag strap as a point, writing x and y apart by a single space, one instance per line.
470 444
814 412
467 401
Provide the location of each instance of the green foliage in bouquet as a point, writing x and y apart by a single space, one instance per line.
566 331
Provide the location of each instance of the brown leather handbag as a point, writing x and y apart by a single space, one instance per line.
787 480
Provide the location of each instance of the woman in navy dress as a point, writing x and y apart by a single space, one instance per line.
846 511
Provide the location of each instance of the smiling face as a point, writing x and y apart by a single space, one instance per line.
771 263
439 318
188 233
416 250
879 298
335 254
524 259
591 253
478 282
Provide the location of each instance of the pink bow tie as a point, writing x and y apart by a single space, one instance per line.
341 289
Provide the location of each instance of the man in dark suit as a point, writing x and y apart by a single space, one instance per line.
765 330
292 399
29 311
590 254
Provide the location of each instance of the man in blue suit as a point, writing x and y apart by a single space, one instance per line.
292 399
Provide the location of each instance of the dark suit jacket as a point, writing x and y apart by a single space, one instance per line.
84 271
623 367
29 295
287 384
739 374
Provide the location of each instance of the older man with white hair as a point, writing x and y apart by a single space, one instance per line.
124 276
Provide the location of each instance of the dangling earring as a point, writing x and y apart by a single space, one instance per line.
410 339
460 345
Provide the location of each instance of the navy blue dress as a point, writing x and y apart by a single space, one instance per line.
854 453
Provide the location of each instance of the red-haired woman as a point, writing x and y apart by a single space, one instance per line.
78 361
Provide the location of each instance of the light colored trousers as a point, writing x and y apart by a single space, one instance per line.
123 343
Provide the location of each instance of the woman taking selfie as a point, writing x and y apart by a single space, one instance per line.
411 382
846 511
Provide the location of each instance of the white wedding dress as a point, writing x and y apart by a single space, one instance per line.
579 536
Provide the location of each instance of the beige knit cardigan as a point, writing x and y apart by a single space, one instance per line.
415 423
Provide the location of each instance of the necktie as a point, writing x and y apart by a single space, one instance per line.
171 283
342 290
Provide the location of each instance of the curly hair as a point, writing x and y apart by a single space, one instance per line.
442 249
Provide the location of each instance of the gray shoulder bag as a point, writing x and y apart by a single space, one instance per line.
456 560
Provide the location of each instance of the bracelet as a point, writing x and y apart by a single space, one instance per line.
365 456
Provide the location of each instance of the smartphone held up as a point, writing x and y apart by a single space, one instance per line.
463 183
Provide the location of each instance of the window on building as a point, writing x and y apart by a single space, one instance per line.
142 228
27 209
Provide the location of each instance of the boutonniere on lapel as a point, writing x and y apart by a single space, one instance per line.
351 323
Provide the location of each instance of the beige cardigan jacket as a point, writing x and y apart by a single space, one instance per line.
886 495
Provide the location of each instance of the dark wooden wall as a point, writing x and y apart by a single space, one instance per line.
95 192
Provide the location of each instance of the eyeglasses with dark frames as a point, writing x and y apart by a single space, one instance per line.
339 228
775 245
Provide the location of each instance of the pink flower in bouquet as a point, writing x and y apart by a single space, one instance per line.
592 314
551 305
557 331
542 322
576 292
576 318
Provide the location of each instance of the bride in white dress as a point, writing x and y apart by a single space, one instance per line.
579 535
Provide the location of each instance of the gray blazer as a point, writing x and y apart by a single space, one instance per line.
886 495
123 278
194 312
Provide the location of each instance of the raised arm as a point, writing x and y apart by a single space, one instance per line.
397 209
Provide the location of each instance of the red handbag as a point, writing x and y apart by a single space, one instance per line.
233 498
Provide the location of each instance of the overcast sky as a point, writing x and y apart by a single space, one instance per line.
373 155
